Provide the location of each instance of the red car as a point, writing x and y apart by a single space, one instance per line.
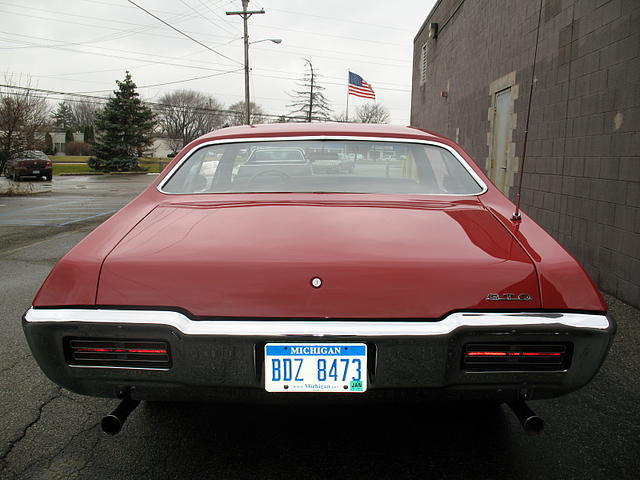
243 273
30 163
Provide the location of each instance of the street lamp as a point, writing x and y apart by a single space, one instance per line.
246 14
247 69
274 40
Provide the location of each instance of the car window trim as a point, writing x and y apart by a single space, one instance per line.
456 155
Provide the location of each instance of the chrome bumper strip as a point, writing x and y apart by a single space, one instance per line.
317 328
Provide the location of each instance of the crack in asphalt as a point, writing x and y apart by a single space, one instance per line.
20 437
14 364
61 451
92 451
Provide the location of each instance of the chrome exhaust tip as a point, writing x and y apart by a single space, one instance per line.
531 423
112 423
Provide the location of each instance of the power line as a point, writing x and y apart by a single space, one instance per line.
124 51
197 67
282 51
66 15
222 19
219 3
87 25
178 16
182 33
157 104
142 32
174 82
203 16
200 67
342 37
340 19
280 77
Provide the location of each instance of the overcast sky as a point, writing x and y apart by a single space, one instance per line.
85 45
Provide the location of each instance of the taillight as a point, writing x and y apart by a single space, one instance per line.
516 356
49 163
118 353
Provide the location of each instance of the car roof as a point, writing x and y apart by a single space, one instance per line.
319 129
29 153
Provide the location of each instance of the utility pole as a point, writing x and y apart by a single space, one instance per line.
310 93
245 14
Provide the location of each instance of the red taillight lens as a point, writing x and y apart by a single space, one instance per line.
486 354
118 353
120 350
49 163
516 356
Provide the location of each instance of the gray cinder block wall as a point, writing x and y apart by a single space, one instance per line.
582 171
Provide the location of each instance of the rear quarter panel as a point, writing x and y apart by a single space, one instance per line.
74 279
564 284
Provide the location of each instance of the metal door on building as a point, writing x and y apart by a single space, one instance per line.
501 136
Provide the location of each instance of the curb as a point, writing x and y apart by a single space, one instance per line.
75 174
84 174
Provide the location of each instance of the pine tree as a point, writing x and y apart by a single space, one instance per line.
89 137
63 116
48 144
310 100
124 129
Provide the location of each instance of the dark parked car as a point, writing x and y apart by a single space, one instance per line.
31 163
242 273
331 162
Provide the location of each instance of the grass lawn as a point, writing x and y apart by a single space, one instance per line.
61 164
70 168
68 158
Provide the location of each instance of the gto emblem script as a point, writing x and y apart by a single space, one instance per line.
509 296
316 282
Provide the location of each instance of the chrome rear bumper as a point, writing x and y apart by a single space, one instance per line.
318 328
224 359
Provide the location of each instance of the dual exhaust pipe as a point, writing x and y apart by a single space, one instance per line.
112 423
531 423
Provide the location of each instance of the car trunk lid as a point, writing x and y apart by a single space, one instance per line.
374 259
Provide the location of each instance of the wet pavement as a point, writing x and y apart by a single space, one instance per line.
68 201
47 432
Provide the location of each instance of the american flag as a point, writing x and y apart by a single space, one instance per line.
360 88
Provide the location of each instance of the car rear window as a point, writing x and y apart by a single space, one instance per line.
32 155
349 166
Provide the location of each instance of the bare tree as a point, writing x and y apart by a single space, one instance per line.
372 113
236 114
184 115
309 99
84 112
23 113
340 117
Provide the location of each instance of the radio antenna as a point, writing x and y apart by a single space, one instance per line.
516 217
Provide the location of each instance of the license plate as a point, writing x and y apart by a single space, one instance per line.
316 367
36 171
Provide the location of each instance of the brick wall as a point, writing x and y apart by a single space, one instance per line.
582 172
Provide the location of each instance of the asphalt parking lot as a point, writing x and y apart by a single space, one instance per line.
64 204
47 432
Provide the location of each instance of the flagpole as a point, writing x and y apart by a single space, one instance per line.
347 115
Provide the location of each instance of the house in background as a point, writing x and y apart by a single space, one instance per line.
472 71
162 147
58 137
